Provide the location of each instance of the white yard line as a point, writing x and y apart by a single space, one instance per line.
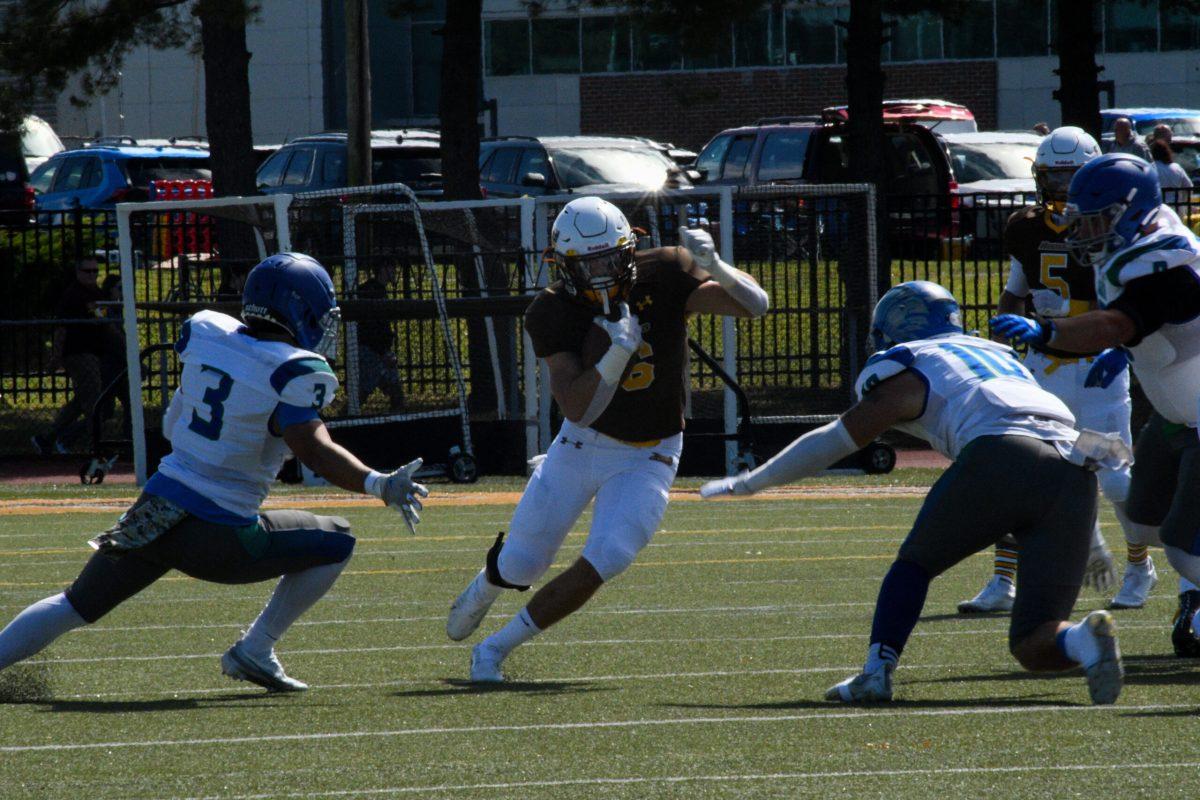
590 725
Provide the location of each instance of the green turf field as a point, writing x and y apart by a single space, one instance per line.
697 674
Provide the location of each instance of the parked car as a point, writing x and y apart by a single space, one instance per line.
992 161
38 142
513 166
1183 121
16 194
940 115
411 156
1187 155
101 175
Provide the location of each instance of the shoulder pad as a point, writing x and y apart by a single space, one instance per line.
884 365
305 381
1157 255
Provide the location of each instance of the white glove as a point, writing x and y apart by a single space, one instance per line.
402 493
700 243
735 486
626 332
1099 573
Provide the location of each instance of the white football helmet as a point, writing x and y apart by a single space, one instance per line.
593 248
1060 154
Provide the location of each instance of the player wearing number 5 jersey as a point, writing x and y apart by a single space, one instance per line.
1019 467
250 390
621 440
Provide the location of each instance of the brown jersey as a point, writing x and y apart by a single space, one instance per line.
648 404
1038 244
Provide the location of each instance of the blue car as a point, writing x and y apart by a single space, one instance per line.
1182 121
101 175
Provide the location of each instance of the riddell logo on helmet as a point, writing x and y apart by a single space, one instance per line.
256 310
593 248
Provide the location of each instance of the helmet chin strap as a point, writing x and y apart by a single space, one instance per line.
604 301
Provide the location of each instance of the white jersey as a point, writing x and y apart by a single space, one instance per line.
974 387
1166 362
223 444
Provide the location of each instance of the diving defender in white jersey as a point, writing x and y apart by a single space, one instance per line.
249 391
1019 467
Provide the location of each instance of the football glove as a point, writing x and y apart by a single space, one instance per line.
699 243
1099 572
625 332
1107 367
402 493
735 485
1023 329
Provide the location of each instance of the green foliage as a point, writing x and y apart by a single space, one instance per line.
35 262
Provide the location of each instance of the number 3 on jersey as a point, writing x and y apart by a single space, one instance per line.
642 374
214 398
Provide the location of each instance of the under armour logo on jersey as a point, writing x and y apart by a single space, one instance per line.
644 303
578 445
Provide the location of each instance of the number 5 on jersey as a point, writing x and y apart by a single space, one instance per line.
214 398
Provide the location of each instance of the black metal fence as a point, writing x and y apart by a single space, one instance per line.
812 253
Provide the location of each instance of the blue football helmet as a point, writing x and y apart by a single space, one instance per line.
293 291
911 311
1110 199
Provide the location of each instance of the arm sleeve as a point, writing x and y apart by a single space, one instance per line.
1017 284
1170 296
286 415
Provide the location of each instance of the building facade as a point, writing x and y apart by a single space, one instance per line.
557 67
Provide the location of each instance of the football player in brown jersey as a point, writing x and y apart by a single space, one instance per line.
1046 280
622 432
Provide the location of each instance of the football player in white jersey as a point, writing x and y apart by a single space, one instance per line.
1019 467
1146 266
249 391
1044 278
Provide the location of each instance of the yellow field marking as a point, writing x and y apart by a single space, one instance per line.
78 505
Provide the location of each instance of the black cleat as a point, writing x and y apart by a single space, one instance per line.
1182 638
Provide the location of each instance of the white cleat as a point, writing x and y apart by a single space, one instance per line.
1106 676
866 687
470 607
239 664
485 664
997 595
1139 579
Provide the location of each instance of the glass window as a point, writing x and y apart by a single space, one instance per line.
811 36
500 168
916 38
534 160
333 167
758 40
709 160
43 176
969 35
92 174
1021 27
506 47
783 156
272 169
555 45
405 165
71 175
1180 29
735 161
141 171
426 69
989 161
584 166
1131 26
655 50
297 168
605 44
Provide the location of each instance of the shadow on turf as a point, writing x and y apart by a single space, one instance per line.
140 706
1040 701
455 687
1140 670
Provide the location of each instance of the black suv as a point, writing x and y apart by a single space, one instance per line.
513 166
411 156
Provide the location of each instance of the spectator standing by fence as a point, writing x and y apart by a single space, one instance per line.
1170 174
78 348
1125 140
377 364
112 360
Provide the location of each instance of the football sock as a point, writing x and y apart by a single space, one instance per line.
880 656
901 598
295 593
36 627
485 587
520 629
1006 562
1136 553
1078 644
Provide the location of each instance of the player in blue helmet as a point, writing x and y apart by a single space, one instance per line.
1017 469
247 394
1146 265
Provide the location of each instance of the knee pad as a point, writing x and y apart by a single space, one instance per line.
612 555
523 566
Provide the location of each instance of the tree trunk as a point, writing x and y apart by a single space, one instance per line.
1078 95
458 102
227 114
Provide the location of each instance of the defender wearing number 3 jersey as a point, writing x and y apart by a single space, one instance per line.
1019 467
250 390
